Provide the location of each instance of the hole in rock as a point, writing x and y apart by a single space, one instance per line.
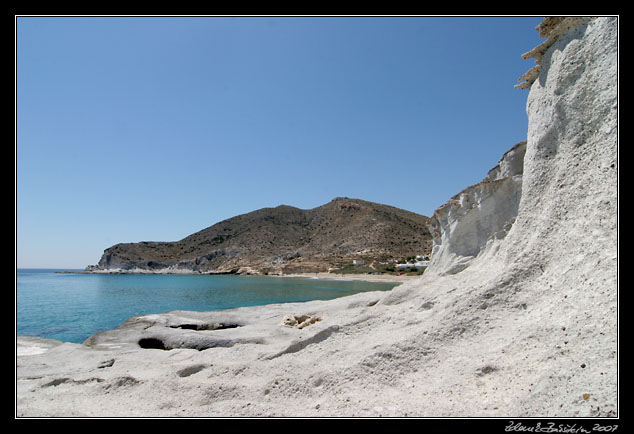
152 343
191 370
213 326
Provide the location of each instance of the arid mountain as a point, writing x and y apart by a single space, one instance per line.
282 240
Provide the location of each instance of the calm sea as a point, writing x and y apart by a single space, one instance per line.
72 307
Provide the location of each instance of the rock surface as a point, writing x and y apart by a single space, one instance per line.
525 326
478 215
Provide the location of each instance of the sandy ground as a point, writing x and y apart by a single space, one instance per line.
363 277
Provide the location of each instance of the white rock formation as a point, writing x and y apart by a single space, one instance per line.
514 320
478 215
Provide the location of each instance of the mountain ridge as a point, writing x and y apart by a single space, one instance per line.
281 240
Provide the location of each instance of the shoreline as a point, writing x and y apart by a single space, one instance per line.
362 277
32 345
527 328
313 275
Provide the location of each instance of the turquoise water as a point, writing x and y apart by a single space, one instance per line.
72 307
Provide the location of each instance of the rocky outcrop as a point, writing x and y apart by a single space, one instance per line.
527 328
551 28
478 215
555 272
281 240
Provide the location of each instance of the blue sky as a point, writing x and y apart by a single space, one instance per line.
152 128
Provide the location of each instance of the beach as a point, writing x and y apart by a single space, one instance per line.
363 277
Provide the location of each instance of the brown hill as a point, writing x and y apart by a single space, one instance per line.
282 240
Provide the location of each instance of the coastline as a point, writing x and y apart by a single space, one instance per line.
363 277
314 275
525 329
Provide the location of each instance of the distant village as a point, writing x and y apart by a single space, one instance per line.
411 263
418 262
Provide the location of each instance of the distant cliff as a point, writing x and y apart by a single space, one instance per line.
282 240
479 214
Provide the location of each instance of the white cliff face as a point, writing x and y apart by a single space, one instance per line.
515 317
562 182
558 261
537 301
570 172
566 229
478 215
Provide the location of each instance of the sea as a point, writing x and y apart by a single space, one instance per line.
70 306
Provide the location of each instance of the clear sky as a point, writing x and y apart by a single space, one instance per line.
152 128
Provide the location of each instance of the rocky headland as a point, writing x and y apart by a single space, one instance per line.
516 315
282 240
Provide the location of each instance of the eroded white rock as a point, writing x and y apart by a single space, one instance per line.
477 215
528 328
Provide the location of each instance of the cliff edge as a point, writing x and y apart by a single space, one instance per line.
478 215
515 317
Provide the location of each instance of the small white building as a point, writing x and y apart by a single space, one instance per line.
418 265
358 262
